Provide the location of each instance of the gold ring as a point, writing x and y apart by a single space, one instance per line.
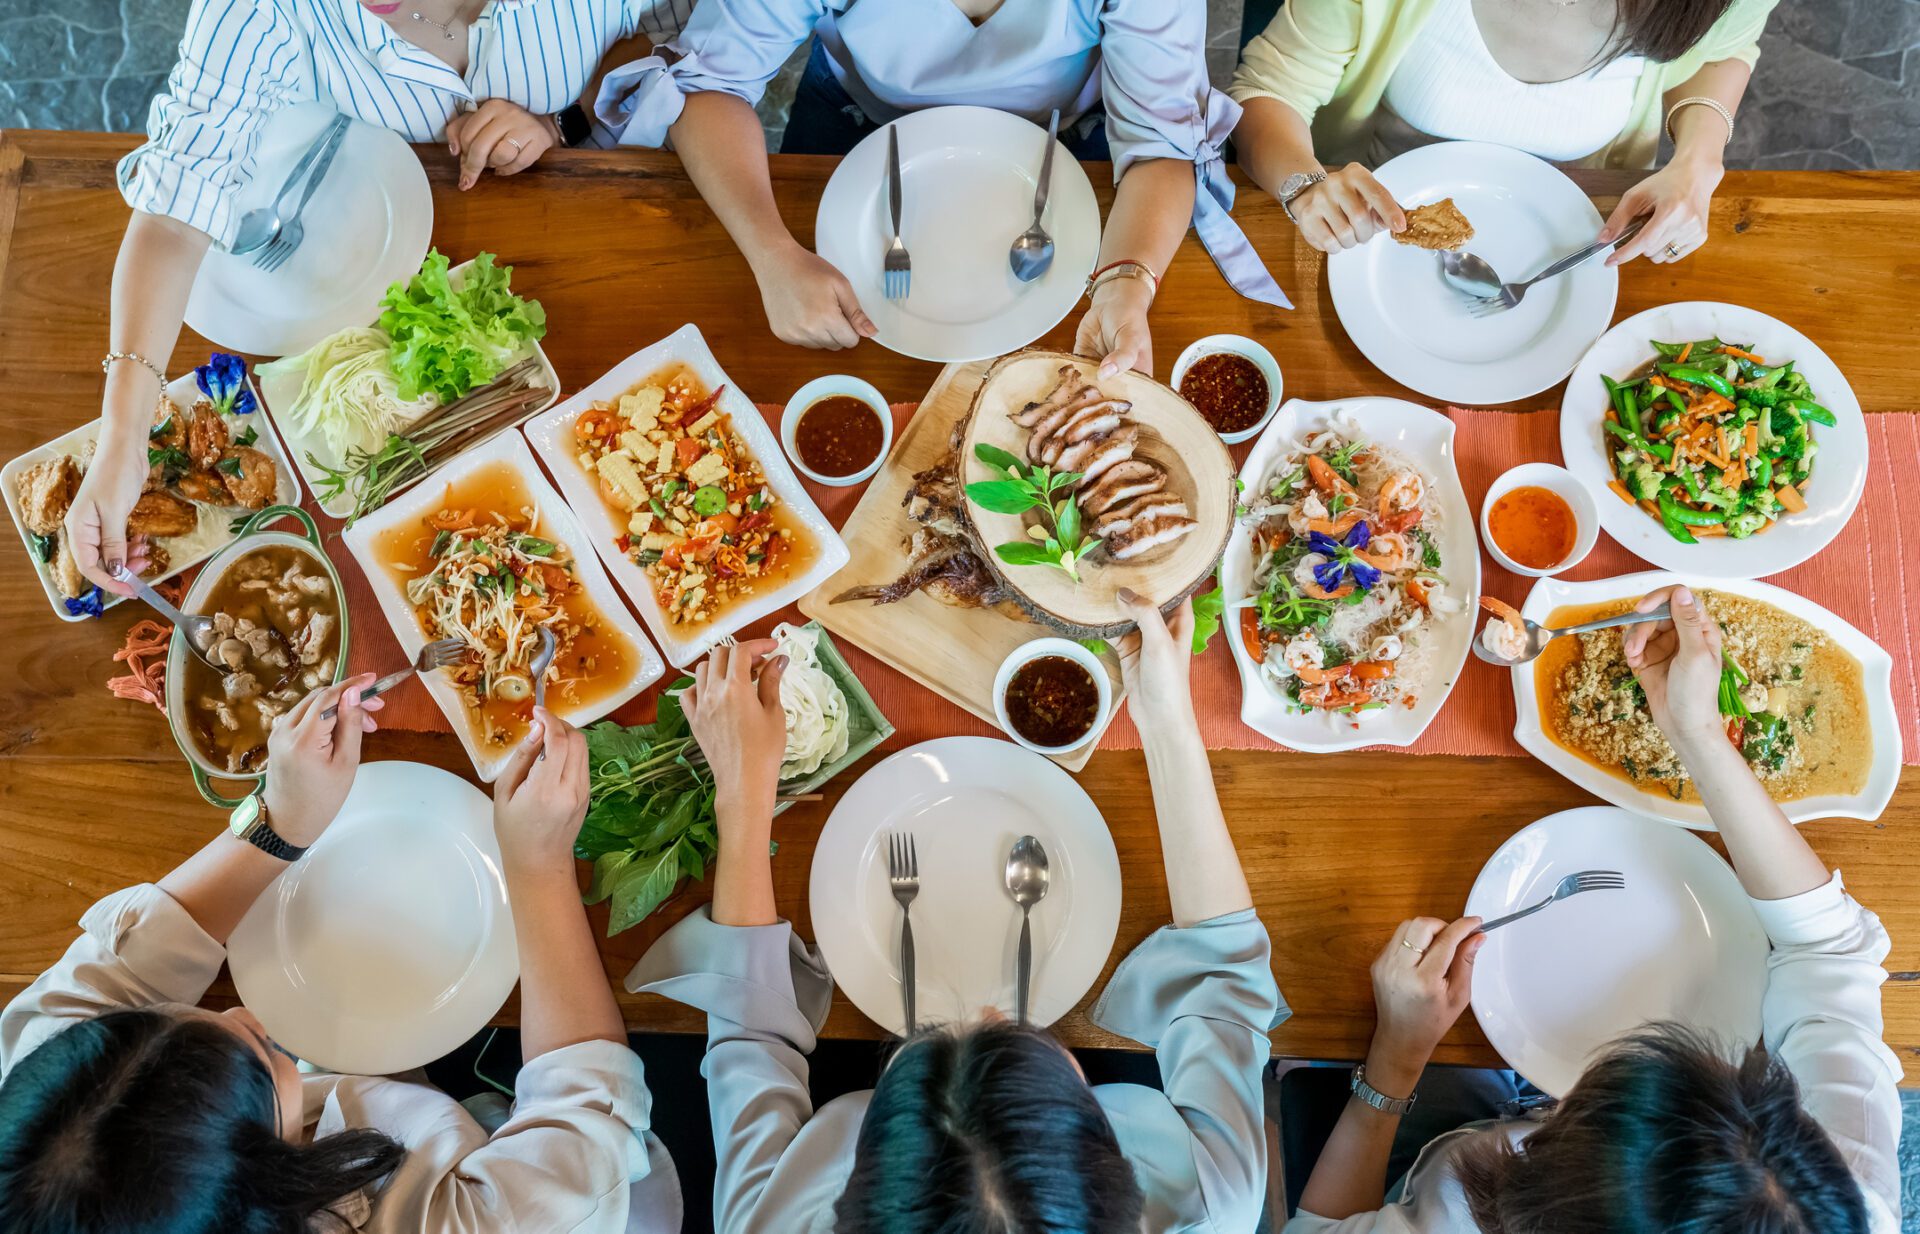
1410 947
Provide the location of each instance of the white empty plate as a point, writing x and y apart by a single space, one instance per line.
368 225
1416 329
967 178
391 942
1679 942
965 800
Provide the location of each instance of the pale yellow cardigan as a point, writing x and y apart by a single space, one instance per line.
1330 60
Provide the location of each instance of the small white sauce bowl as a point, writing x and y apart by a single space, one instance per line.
1234 344
827 387
1556 480
1035 650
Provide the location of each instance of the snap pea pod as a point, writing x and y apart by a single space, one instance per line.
1699 377
1670 519
1673 397
1813 411
1763 471
1630 410
1653 449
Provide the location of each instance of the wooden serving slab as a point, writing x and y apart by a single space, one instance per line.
1173 436
952 651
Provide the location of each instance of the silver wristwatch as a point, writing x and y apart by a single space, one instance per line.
1294 185
1377 1099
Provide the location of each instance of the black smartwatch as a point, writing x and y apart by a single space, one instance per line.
249 823
573 125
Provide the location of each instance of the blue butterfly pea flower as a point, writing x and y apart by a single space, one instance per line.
223 378
91 604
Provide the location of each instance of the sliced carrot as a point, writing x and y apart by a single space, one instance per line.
1682 357
1417 592
1752 445
1709 529
1620 490
1726 443
1790 498
1728 349
1613 417
1650 508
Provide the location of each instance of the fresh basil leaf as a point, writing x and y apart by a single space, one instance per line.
607 868
1003 496
1023 553
1066 524
996 458
641 887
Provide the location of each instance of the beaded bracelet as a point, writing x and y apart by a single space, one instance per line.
1702 101
107 364
1127 269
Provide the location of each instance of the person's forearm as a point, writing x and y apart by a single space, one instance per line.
1350 1175
1769 854
1204 879
1698 132
1152 209
1272 142
565 997
218 884
724 149
743 879
158 260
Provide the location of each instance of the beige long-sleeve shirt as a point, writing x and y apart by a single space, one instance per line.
573 1154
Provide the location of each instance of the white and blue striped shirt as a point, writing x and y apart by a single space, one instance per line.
243 60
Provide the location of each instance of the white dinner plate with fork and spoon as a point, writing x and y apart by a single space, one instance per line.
967 181
1679 941
965 801
367 225
1422 332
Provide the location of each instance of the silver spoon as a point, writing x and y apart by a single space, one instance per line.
1474 278
201 636
1032 250
541 663
1027 884
261 224
1538 636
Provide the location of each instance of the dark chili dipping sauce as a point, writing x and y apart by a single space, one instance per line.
1229 390
1052 701
837 436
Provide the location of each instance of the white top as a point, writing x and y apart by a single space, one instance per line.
1449 87
1820 1016
242 60
573 1155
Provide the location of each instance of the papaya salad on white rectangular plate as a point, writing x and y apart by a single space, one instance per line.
1347 576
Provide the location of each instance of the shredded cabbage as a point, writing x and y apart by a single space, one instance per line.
815 705
349 393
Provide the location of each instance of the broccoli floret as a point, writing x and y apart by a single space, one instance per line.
1740 526
1639 476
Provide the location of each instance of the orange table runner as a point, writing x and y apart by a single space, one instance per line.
1866 576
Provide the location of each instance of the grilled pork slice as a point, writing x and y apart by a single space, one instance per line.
1093 420
1146 534
1062 393
1122 482
1093 458
1124 515
1044 429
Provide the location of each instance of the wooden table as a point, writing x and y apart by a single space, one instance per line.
621 250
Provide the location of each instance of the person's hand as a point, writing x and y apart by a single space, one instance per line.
1156 660
500 137
1678 196
1422 981
1115 327
1678 664
538 802
740 725
1349 207
811 304
311 760
96 522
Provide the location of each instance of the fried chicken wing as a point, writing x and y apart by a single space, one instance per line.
169 427
162 514
207 436
46 492
254 485
207 487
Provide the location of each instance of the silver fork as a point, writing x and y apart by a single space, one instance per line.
1510 294
440 653
1571 885
898 281
293 231
903 875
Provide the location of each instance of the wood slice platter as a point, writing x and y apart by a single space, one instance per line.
1172 436
952 651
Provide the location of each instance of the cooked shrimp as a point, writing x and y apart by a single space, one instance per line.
1303 651
1305 513
1390 550
1400 501
1506 632
1326 479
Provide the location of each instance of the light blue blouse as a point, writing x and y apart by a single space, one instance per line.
1203 997
242 60
1143 59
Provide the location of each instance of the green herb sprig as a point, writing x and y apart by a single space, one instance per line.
1060 539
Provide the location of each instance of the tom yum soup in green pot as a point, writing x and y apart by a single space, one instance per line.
280 632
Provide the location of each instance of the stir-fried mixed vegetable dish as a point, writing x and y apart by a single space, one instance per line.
701 518
1348 576
1712 440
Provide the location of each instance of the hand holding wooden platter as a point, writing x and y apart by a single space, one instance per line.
1173 436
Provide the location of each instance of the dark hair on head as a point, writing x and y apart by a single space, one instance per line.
989 1129
1665 1132
144 1121
1662 30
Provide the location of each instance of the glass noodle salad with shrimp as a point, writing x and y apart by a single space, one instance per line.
1347 575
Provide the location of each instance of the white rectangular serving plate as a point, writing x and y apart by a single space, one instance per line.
557 524
552 438
1876 668
183 392
281 390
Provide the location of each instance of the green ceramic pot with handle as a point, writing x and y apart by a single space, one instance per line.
253 535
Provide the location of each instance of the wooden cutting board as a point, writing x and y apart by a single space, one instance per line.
952 651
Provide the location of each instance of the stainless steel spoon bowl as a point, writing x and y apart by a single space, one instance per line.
1027 884
200 633
1538 636
1032 250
